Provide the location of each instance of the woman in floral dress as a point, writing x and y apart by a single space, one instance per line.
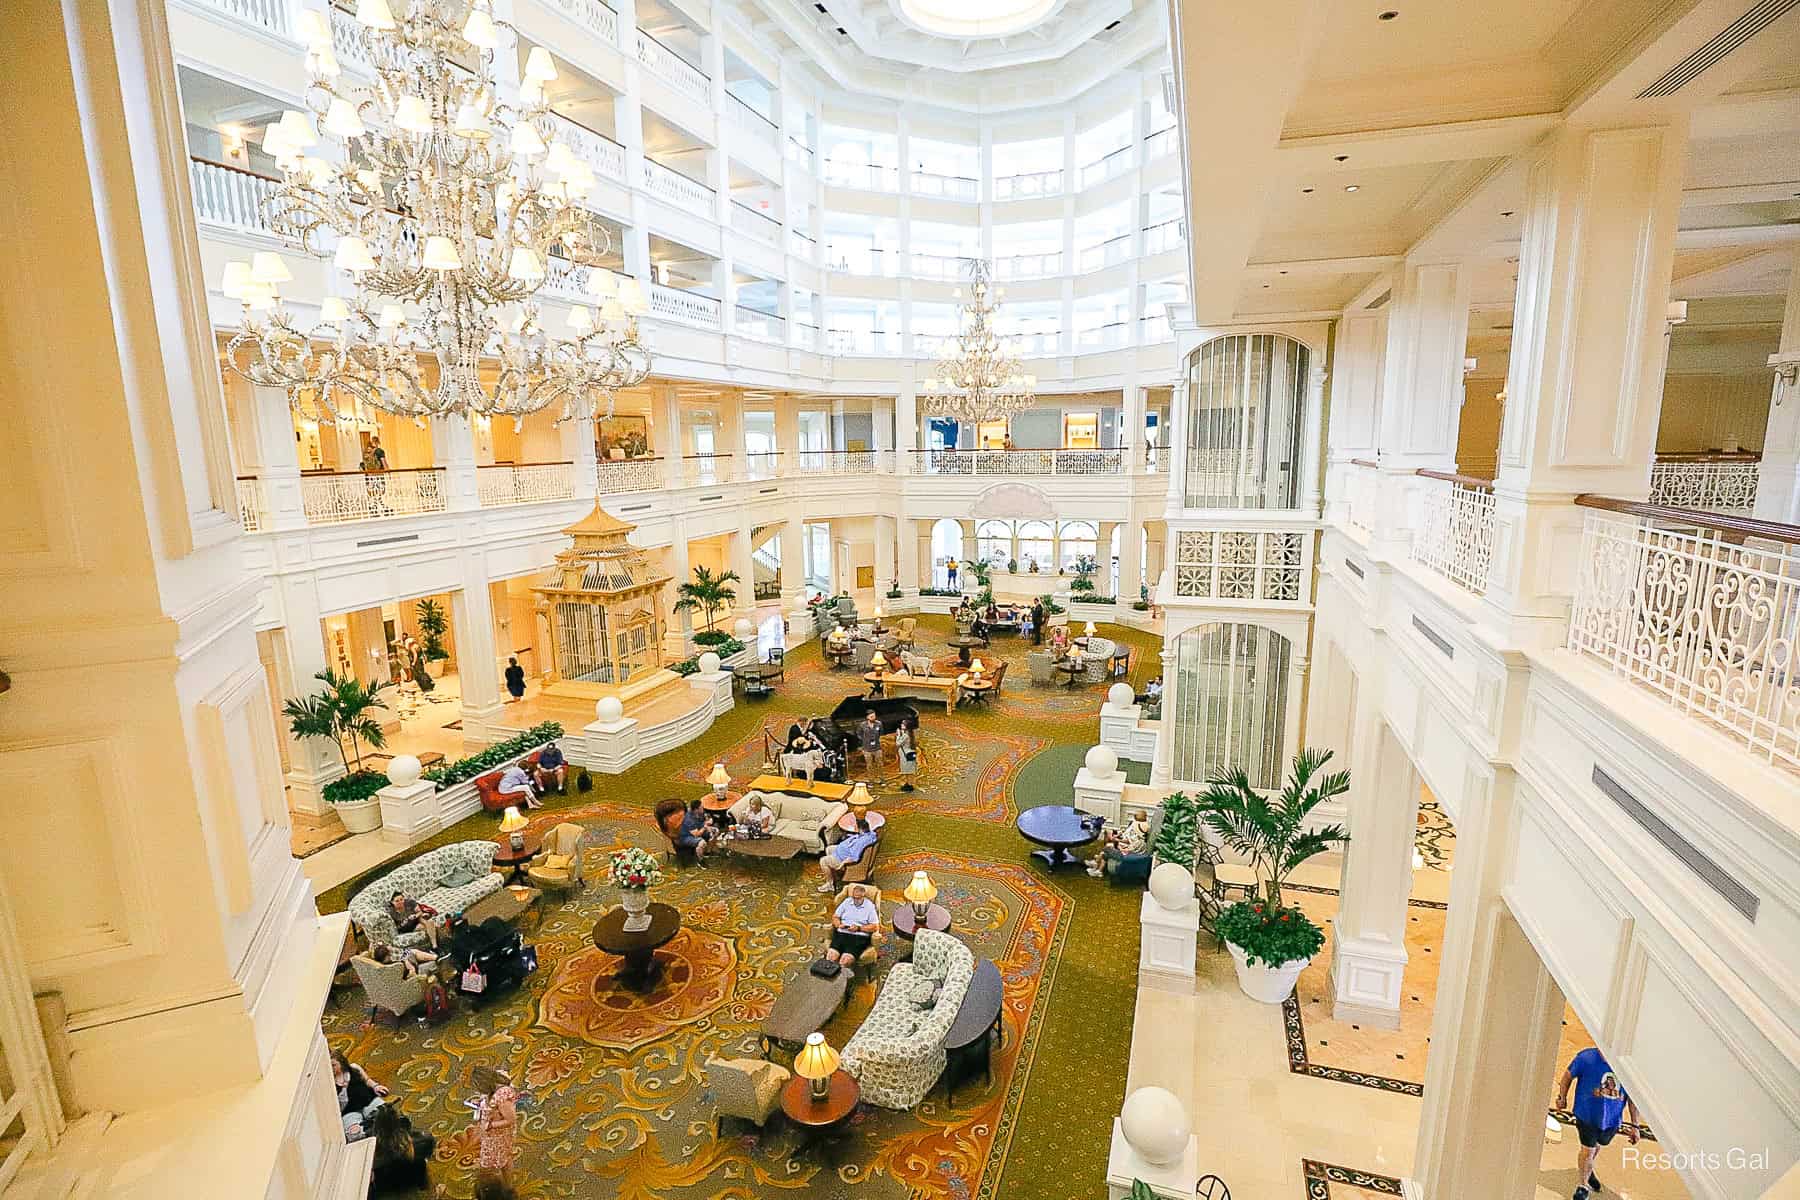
496 1125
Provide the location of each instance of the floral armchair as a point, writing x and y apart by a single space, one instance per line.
898 1053
422 879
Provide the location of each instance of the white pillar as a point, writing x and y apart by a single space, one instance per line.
906 427
666 409
478 658
914 548
884 557
1778 479
453 449
1368 953
1354 432
680 633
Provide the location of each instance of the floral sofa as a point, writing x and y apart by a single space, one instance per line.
803 818
420 880
898 1053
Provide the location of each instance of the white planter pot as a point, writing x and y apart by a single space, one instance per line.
360 816
636 903
1269 985
435 667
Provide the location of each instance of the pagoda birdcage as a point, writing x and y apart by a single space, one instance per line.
603 599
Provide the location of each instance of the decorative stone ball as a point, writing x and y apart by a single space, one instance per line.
1102 762
1120 695
743 631
1155 1123
609 710
709 663
403 770
1172 886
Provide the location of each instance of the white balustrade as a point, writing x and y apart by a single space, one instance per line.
871 177
1155 329
673 70
1028 266
347 41
675 188
834 462
1240 564
1721 487
253 507
1167 236
675 304
746 118
1455 536
799 152
628 475
1162 142
1042 343
1156 459
764 464
705 469
1708 623
949 187
932 344
564 278
1028 186
802 245
1104 254
1102 169
229 196
1360 487
271 15
339 496
600 152
805 334
1101 337
524 483
750 223
940 266
1023 462
767 327
595 17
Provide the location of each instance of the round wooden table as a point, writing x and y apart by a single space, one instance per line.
1058 828
1070 669
506 856
906 921
962 644
818 1119
716 807
978 693
637 947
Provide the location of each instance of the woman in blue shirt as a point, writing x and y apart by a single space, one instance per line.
853 926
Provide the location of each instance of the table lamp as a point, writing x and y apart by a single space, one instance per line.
1089 629
975 668
878 614
720 779
860 799
921 891
818 1062
514 822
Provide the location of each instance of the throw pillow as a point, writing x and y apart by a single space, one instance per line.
924 993
557 862
457 876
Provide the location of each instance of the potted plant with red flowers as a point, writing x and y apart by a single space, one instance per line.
1270 942
634 872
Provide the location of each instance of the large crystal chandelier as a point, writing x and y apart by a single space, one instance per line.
977 380
443 209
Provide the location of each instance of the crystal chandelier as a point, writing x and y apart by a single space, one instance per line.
977 380
444 210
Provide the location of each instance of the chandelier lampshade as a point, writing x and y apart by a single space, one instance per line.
976 379
445 205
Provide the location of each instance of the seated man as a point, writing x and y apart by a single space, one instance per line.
1152 693
837 857
412 960
552 769
1121 844
696 832
852 926
409 915
759 818
516 781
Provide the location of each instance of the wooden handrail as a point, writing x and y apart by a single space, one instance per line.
321 471
1366 462
213 162
618 461
555 462
1712 456
1468 481
1670 515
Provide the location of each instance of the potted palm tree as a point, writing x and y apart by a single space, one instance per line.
432 626
710 594
343 713
1271 943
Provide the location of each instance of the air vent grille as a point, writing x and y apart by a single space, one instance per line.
1722 43
1711 873
1379 301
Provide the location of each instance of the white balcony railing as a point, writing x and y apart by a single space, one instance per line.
673 187
870 177
705 469
1109 253
763 464
1699 615
1103 337
1102 169
939 266
271 15
1042 343
563 278
1166 236
753 224
1455 536
628 475
862 260
600 152
842 462
676 304
1721 486
804 334
1029 186
597 18
524 483
1028 266
1156 458
744 117
229 196
1153 329
347 41
1162 142
335 497
949 187
253 505
802 245
765 327
1360 491
930 345
799 152
673 69
1022 462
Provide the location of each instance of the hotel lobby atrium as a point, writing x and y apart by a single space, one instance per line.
898 600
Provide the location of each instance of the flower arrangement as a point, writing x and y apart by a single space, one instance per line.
634 869
1269 934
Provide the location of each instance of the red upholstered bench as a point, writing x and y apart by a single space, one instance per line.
488 786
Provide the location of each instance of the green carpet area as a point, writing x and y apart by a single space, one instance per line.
617 1103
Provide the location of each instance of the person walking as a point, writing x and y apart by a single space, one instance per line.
496 1126
1601 1103
906 743
515 680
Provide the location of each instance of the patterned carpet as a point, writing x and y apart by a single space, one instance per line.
616 1097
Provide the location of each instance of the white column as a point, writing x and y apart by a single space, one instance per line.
915 548
744 564
1354 432
884 557
906 424
681 624
578 448
1162 766
1132 436
1368 953
453 449
1131 563
666 408
312 763
1584 382
1778 479
477 656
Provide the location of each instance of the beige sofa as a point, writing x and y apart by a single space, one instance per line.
803 818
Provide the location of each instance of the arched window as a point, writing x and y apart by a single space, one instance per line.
946 544
1078 538
993 542
1231 702
1246 397
1036 541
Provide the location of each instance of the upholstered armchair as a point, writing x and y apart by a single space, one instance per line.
1043 666
898 1053
906 631
874 893
388 986
861 655
558 868
746 1088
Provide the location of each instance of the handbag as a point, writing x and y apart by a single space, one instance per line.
473 980
826 968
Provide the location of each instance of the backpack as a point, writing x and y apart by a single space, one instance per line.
437 1002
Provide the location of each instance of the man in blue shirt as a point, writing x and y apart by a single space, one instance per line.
1601 1103
844 853
552 770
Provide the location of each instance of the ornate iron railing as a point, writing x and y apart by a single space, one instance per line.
1455 536
1721 485
616 475
524 483
332 498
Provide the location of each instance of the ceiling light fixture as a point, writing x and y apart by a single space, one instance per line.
1389 15
977 380
1352 187
1306 191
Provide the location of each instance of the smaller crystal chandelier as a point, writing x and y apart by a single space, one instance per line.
977 380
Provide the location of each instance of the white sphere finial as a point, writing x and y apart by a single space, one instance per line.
709 663
1120 695
1102 762
1156 1124
743 631
609 710
403 770
1172 886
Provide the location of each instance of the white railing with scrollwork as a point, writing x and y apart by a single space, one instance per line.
341 496
1721 487
347 41
836 462
677 189
564 278
271 15
1709 624
595 17
253 508
1455 536
229 196
616 475
1240 564
675 304
524 483
600 152
1029 185
1022 462
673 69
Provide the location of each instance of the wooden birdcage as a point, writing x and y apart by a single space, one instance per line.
603 600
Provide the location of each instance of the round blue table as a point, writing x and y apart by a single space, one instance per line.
1058 828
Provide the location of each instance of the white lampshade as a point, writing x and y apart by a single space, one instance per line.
374 13
470 123
274 143
342 119
878 612
333 310
719 777
602 283
479 29
921 890
313 27
353 255
525 264
235 279
322 61
531 92
317 171
538 65
441 255
631 295
369 179
859 796
581 179
259 296
297 130
976 667
526 142
1088 629
581 320
560 160
817 1060
393 316
412 115
267 267
513 821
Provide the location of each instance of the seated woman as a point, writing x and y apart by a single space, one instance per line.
852 926
412 960
517 782
357 1095
758 819
1121 844
552 770
847 851
402 1155
409 914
